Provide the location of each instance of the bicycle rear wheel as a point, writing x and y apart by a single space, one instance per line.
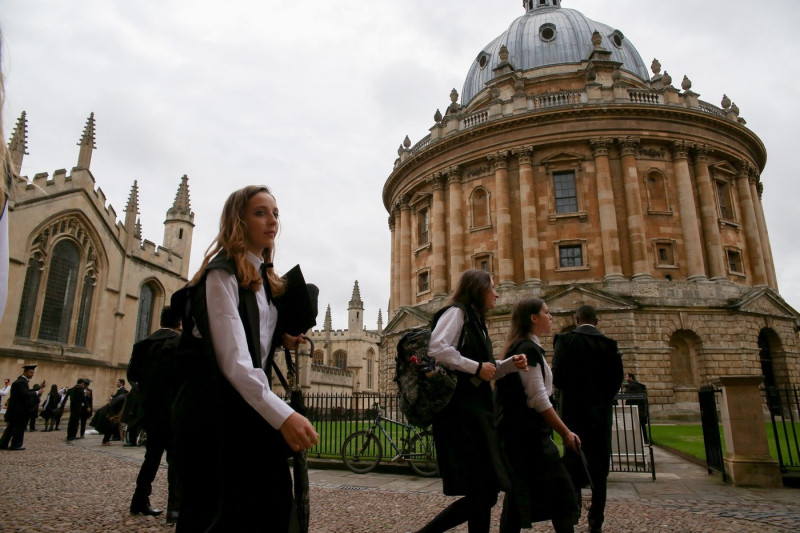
361 452
422 455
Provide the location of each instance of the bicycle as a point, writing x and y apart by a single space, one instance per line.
362 450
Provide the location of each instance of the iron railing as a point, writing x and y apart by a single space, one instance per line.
784 407
710 423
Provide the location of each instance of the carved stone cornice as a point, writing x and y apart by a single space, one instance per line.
499 160
680 150
628 145
524 155
700 152
600 146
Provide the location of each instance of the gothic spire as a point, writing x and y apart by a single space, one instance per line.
181 205
87 143
380 321
18 145
327 324
132 209
355 301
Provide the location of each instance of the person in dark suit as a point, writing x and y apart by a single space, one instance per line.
34 408
239 315
587 369
152 368
86 414
634 387
77 405
121 390
19 408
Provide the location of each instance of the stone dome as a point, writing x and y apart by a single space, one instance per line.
548 35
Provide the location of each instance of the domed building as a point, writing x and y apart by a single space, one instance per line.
573 174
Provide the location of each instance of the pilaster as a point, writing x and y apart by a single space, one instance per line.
503 214
438 241
708 214
633 204
689 223
527 206
609 233
751 234
456 225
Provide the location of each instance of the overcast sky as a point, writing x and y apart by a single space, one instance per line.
313 98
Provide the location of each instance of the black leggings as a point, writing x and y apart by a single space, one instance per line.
476 509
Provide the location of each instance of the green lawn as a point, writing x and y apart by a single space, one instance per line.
688 438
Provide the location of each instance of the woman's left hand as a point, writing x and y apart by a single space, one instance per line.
292 342
520 361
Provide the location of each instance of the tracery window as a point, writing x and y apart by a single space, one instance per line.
318 358
370 367
144 317
58 291
340 359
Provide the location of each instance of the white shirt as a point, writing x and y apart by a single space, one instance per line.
538 389
444 339
230 343
4 390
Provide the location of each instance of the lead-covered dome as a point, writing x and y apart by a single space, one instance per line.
550 35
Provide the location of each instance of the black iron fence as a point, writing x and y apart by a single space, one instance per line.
710 423
631 446
784 407
336 416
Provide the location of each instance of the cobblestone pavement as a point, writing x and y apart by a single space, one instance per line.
53 486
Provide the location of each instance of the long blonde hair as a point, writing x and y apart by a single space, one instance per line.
231 238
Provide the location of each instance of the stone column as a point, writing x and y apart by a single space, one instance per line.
505 260
763 235
392 263
633 205
751 234
747 460
456 225
527 207
609 233
438 234
708 214
689 223
405 278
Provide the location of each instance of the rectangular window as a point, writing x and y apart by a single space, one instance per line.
666 254
570 256
565 191
422 221
423 282
725 202
735 262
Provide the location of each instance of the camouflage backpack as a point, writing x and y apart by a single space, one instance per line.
424 387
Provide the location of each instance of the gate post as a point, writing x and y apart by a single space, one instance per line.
747 459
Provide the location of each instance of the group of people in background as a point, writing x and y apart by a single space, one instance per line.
487 443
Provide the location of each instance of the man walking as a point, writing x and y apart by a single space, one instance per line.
77 405
587 369
152 368
88 406
19 408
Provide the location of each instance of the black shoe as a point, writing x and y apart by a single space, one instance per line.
145 509
17 448
172 518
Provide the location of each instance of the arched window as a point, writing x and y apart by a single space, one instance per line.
30 293
85 310
657 192
144 319
480 208
340 359
686 366
318 358
59 297
370 369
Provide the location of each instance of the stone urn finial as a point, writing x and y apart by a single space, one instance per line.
400 150
666 79
503 53
407 142
454 96
686 84
437 117
726 102
735 108
596 39
655 66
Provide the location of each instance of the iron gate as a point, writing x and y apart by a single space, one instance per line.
710 422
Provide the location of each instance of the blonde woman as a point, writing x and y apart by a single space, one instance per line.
233 459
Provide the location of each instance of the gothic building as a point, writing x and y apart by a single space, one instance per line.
83 286
573 174
345 360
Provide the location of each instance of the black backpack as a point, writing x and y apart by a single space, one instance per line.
424 387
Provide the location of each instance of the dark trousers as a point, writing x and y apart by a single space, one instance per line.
157 443
598 470
475 509
510 523
84 418
14 434
32 425
73 424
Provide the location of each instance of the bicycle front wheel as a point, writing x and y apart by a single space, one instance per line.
361 452
422 455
